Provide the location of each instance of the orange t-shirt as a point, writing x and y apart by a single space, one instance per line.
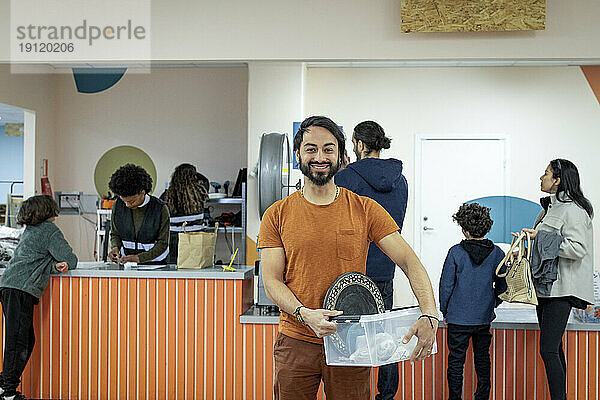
321 242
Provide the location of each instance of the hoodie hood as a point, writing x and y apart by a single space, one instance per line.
383 175
478 250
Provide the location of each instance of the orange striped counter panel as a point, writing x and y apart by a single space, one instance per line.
517 369
141 335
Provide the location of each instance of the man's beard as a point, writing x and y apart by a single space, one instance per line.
319 178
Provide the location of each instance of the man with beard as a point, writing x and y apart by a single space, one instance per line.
310 238
382 181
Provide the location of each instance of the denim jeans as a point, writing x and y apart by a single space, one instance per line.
458 343
387 379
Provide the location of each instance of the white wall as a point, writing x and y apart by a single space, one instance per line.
34 93
196 115
545 112
344 29
275 101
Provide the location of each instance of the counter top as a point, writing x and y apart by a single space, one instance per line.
112 270
506 318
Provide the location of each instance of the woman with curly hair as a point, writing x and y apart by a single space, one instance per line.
140 222
469 290
185 197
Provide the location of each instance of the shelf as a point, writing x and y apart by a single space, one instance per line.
226 200
237 229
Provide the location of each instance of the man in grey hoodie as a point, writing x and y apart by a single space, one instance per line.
382 181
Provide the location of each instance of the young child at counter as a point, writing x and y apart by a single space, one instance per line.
469 290
41 250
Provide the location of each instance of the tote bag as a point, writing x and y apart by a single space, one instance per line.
196 250
518 272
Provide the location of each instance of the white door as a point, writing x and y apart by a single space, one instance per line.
451 172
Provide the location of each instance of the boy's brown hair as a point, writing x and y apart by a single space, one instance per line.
37 209
474 218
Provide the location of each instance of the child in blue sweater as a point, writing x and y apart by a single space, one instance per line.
469 290
41 250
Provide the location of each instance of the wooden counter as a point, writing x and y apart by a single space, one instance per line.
141 334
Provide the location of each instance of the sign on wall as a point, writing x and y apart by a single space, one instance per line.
468 15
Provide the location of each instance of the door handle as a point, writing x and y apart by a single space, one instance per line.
427 228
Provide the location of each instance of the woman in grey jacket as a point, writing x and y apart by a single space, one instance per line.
568 215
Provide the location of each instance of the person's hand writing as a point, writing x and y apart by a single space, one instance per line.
318 320
62 267
425 331
115 255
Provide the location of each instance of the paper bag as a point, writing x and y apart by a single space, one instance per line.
196 249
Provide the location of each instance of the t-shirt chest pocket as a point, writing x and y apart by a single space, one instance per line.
349 244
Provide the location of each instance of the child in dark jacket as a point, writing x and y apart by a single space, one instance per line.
41 250
469 290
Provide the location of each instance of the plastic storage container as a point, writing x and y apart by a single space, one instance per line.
372 340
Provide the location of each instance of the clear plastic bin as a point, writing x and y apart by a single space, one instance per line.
372 340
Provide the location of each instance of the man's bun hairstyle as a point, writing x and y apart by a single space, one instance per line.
372 135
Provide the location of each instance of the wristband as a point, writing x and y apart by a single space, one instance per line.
297 315
429 317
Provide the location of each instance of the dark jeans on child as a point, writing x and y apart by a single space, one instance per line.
17 307
458 343
553 314
387 378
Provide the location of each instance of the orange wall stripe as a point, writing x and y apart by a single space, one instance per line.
219 339
230 318
180 337
142 353
249 367
581 364
74 350
161 317
571 352
152 339
85 336
209 321
63 338
592 75
239 343
95 334
498 363
55 337
190 319
190 337
171 338
592 367
132 338
200 337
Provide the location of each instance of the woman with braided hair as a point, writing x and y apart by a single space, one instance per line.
185 197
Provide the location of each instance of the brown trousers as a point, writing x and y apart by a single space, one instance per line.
300 366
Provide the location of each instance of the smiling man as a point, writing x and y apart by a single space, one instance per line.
140 222
310 238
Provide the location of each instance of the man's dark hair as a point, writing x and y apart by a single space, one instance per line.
36 210
474 218
322 122
372 135
130 180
